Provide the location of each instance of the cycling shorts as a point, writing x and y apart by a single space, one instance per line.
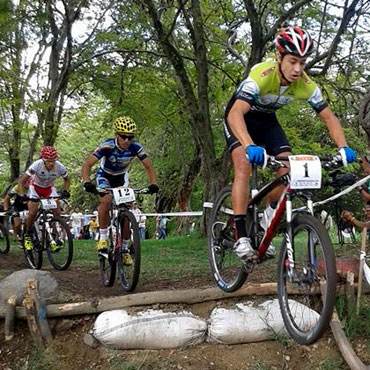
105 180
19 206
37 192
264 129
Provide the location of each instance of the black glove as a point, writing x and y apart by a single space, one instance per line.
90 187
153 188
65 194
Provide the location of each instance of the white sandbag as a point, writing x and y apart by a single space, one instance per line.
242 324
152 329
245 324
303 315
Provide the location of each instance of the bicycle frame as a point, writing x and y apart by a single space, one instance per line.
284 206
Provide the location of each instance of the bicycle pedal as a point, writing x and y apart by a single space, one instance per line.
248 265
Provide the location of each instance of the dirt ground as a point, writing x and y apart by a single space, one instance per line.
68 351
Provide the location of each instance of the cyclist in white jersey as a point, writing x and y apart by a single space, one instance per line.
41 176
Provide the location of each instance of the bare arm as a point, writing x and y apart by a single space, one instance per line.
22 184
6 202
236 122
150 171
86 167
334 127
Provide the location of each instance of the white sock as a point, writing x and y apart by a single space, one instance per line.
103 234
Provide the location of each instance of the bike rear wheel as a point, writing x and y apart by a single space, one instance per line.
227 269
4 239
128 256
307 299
107 264
59 246
33 256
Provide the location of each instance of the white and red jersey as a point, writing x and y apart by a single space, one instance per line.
42 177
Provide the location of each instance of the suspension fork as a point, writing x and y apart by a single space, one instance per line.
290 261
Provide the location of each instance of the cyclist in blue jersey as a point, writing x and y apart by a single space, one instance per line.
251 126
115 155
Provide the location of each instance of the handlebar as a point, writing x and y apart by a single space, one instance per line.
102 191
329 161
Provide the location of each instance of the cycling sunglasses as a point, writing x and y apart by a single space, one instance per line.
124 137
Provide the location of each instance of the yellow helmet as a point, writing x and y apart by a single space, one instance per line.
125 125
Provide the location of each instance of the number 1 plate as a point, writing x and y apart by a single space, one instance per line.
123 195
305 172
49 204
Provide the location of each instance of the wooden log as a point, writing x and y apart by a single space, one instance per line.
33 291
189 296
344 345
30 313
9 318
361 269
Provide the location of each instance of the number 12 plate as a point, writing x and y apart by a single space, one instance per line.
305 172
123 195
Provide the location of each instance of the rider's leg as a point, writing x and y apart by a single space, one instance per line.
239 193
239 197
32 212
275 194
103 214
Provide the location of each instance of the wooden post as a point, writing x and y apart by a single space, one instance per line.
33 291
361 269
9 318
32 322
350 288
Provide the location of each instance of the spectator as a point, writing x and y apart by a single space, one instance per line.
140 219
86 217
162 226
93 227
77 218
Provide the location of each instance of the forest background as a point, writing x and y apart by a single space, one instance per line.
68 68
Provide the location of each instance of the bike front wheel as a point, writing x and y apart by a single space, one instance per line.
34 255
307 291
59 244
226 267
4 239
128 252
107 264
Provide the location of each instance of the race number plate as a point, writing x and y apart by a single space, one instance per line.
305 172
49 204
123 195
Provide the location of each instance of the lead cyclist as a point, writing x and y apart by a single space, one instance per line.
251 126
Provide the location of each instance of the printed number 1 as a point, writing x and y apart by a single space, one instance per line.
306 170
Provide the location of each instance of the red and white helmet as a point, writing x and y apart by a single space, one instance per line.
48 152
295 41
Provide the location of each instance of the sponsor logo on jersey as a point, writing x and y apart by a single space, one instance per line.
267 71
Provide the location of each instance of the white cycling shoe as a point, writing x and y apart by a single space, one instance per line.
244 250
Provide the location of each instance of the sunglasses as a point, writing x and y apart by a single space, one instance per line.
124 137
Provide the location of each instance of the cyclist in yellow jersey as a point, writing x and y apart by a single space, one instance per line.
251 126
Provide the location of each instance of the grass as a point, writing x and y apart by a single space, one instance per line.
172 258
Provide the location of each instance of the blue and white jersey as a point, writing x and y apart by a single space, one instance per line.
114 160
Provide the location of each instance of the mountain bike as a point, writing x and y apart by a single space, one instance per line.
50 233
124 241
306 263
4 234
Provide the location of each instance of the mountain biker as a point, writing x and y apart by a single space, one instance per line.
18 205
115 155
251 127
41 176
